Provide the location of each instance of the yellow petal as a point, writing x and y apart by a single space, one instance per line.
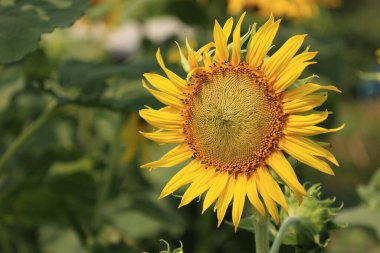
285 171
274 66
165 137
227 28
191 57
311 147
261 42
221 51
304 90
215 190
270 204
186 175
265 179
164 97
236 48
204 49
306 158
176 80
254 197
207 60
304 104
225 199
200 185
163 84
306 120
293 71
173 157
239 199
169 109
310 130
162 119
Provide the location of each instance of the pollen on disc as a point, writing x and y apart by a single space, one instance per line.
233 119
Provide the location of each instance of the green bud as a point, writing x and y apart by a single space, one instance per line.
313 220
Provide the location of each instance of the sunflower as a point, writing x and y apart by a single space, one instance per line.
233 118
283 8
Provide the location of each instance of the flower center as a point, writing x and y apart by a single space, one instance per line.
233 119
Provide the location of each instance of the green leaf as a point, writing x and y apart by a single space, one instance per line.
59 240
368 213
370 193
11 82
23 22
141 216
89 78
105 85
361 216
76 192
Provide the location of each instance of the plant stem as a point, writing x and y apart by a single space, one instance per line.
281 233
261 234
110 171
26 134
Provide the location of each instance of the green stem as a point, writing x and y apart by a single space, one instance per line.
281 233
110 170
261 234
26 134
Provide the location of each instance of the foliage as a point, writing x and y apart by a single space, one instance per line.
368 213
32 19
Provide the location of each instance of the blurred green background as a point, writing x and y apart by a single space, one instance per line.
69 173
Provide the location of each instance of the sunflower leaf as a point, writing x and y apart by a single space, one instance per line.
23 22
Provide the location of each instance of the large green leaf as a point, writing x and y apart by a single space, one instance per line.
106 85
368 213
23 22
89 78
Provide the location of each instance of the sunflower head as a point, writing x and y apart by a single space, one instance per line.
234 116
